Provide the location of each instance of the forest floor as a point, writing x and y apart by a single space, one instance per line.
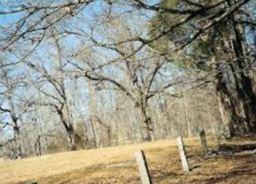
117 165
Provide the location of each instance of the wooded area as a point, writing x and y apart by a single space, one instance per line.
87 74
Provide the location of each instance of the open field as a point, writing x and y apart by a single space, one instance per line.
117 165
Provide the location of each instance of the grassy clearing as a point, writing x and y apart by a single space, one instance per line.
117 165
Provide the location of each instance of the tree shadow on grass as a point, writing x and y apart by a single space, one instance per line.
229 175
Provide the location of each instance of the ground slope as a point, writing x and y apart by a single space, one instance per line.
117 165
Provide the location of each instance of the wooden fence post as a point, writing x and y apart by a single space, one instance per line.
203 141
143 167
184 161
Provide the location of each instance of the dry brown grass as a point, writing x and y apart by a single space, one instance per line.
117 165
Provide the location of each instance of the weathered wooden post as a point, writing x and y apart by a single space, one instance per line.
203 141
143 167
184 161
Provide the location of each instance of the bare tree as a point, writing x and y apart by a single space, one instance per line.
58 99
138 80
13 106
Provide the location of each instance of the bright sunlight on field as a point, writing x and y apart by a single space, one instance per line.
117 165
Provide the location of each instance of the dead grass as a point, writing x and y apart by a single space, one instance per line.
117 165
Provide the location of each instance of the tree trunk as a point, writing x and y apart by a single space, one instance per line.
147 131
238 100
38 146
17 138
234 83
69 129
235 89
186 115
72 138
